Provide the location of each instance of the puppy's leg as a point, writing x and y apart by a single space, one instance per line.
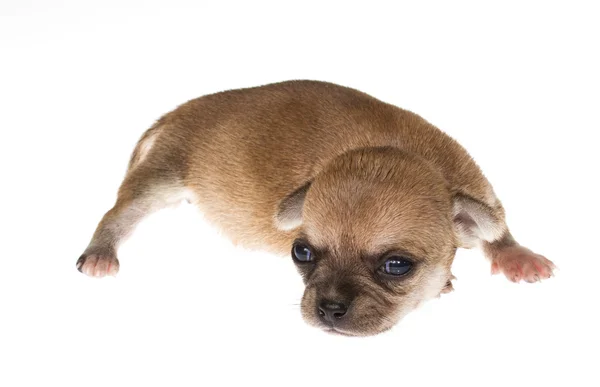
479 224
144 190
515 261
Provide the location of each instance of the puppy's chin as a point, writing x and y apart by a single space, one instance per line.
370 328
340 332
381 328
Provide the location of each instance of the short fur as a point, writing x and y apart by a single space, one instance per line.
347 174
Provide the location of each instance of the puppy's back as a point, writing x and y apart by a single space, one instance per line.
242 151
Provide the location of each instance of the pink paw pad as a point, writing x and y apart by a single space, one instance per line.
519 263
98 265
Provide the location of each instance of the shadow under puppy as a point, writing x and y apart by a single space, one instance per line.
372 200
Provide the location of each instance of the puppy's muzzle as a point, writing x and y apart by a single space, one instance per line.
331 312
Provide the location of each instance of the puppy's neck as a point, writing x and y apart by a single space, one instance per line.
386 164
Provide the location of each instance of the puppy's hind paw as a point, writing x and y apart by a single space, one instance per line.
519 263
98 265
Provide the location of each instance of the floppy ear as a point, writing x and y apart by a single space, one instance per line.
289 211
476 222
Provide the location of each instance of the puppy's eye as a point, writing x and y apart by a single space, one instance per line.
396 266
302 253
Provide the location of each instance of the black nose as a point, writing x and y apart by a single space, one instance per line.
331 311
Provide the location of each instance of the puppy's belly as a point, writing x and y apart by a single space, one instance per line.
247 224
240 201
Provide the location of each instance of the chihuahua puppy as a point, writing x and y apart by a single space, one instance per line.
371 200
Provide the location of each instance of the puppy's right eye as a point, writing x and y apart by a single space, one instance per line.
302 253
396 266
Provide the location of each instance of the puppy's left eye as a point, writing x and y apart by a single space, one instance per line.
396 266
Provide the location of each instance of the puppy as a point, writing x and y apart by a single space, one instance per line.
371 200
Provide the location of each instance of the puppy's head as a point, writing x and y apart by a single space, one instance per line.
375 239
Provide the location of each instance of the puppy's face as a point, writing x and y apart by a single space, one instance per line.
361 293
373 243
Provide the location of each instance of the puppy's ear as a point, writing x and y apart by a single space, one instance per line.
476 222
289 211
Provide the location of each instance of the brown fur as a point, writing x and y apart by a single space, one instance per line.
350 175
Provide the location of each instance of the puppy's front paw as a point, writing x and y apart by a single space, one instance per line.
98 265
519 263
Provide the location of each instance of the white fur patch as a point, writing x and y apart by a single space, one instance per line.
145 147
284 223
436 282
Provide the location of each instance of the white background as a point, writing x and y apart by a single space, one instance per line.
516 84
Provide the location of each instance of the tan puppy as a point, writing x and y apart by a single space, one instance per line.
372 200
